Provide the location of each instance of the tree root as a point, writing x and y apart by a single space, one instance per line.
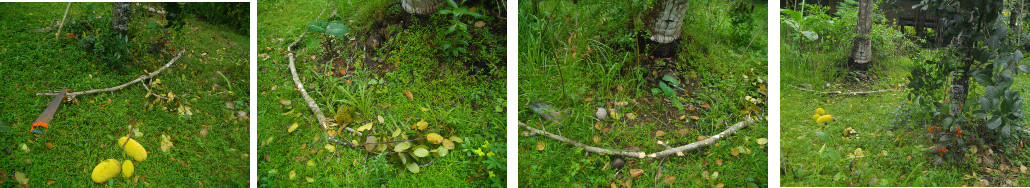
141 78
845 93
661 154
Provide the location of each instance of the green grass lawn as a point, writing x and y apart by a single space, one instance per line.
210 147
581 57
884 152
894 156
444 92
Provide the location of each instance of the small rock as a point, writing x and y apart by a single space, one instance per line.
617 163
546 111
601 114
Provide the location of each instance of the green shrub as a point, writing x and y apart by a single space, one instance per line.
234 15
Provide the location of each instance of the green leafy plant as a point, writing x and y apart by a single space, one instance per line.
1000 105
456 37
490 161
99 40
979 51
329 28
668 91
332 29
234 15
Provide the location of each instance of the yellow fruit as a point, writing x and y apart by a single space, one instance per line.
133 149
434 138
824 119
820 111
127 169
815 116
104 171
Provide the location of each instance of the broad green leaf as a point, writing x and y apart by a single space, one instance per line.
400 147
420 152
666 89
336 29
403 158
317 26
412 167
994 123
442 151
671 80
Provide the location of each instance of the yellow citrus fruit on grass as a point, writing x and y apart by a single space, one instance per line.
133 149
106 170
127 169
824 119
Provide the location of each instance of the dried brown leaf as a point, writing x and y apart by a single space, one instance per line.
636 172
669 179
409 95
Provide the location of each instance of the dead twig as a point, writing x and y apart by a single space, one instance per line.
141 78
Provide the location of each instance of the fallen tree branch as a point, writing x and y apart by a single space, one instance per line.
705 142
667 152
141 78
845 93
584 146
58 34
322 120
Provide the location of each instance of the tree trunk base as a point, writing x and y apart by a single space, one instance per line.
853 65
658 50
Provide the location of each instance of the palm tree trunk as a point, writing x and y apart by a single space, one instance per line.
422 7
122 13
665 22
861 50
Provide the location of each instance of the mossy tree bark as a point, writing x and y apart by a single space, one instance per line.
665 22
862 48
421 7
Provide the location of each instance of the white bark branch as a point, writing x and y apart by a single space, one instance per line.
665 153
57 35
322 120
141 78
705 142
845 93
584 146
